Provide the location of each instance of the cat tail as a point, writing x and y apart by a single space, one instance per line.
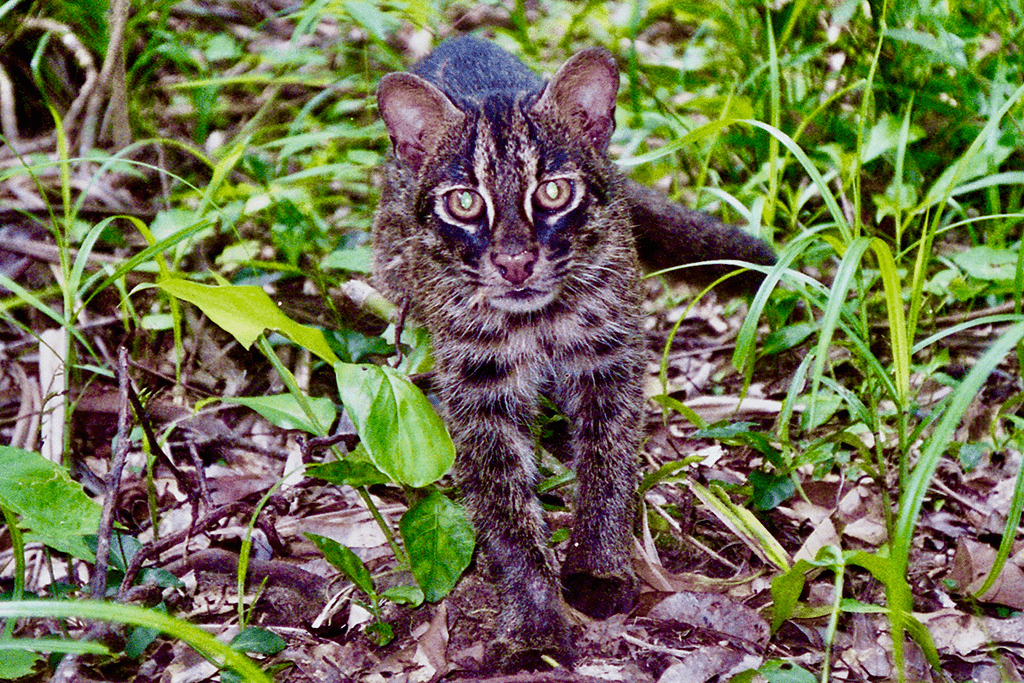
668 234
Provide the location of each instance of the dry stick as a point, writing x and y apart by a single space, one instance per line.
82 56
556 676
8 119
154 444
85 62
157 547
403 311
316 444
98 584
197 463
90 124
26 422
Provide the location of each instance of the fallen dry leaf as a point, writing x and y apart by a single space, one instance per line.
972 564
714 613
824 534
431 647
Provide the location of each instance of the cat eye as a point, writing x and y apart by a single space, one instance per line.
552 195
464 204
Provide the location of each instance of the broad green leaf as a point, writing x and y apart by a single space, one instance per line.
732 430
944 48
787 338
439 539
348 471
343 559
258 641
826 403
404 595
284 411
366 14
354 260
16 663
987 263
885 136
400 430
380 633
53 507
160 577
355 347
246 311
785 672
122 549
221 47
141 637
786 589
770 490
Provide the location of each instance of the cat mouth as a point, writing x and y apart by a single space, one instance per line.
521 300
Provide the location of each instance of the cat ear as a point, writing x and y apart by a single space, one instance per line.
417 115
582 93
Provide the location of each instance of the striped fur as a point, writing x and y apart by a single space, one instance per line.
476 133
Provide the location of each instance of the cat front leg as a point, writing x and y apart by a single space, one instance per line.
489 408
604 405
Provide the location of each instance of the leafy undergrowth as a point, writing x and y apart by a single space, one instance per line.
833 465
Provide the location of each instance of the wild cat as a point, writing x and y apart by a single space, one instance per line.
513 238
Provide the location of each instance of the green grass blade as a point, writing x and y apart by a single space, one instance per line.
957 329
848 267
699 133
36 303
743 354
77 647
826 194
18 550
216 651
150 252
898 338
775 107
941 437
1009 535
964 168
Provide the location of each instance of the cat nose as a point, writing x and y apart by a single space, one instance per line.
515 268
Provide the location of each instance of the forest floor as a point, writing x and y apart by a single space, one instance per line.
707 605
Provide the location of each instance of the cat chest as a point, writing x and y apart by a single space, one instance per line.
543 352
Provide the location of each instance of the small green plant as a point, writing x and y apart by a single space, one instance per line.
402 440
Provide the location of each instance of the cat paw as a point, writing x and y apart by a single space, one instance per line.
600 596
520 652
530 642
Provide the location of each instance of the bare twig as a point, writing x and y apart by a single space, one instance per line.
118 17
98 585
316 444
82 56
50 253
204 487
157 547
675 652
8 119
556 676
26 427
154 444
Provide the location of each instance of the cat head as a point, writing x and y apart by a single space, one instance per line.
509 179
